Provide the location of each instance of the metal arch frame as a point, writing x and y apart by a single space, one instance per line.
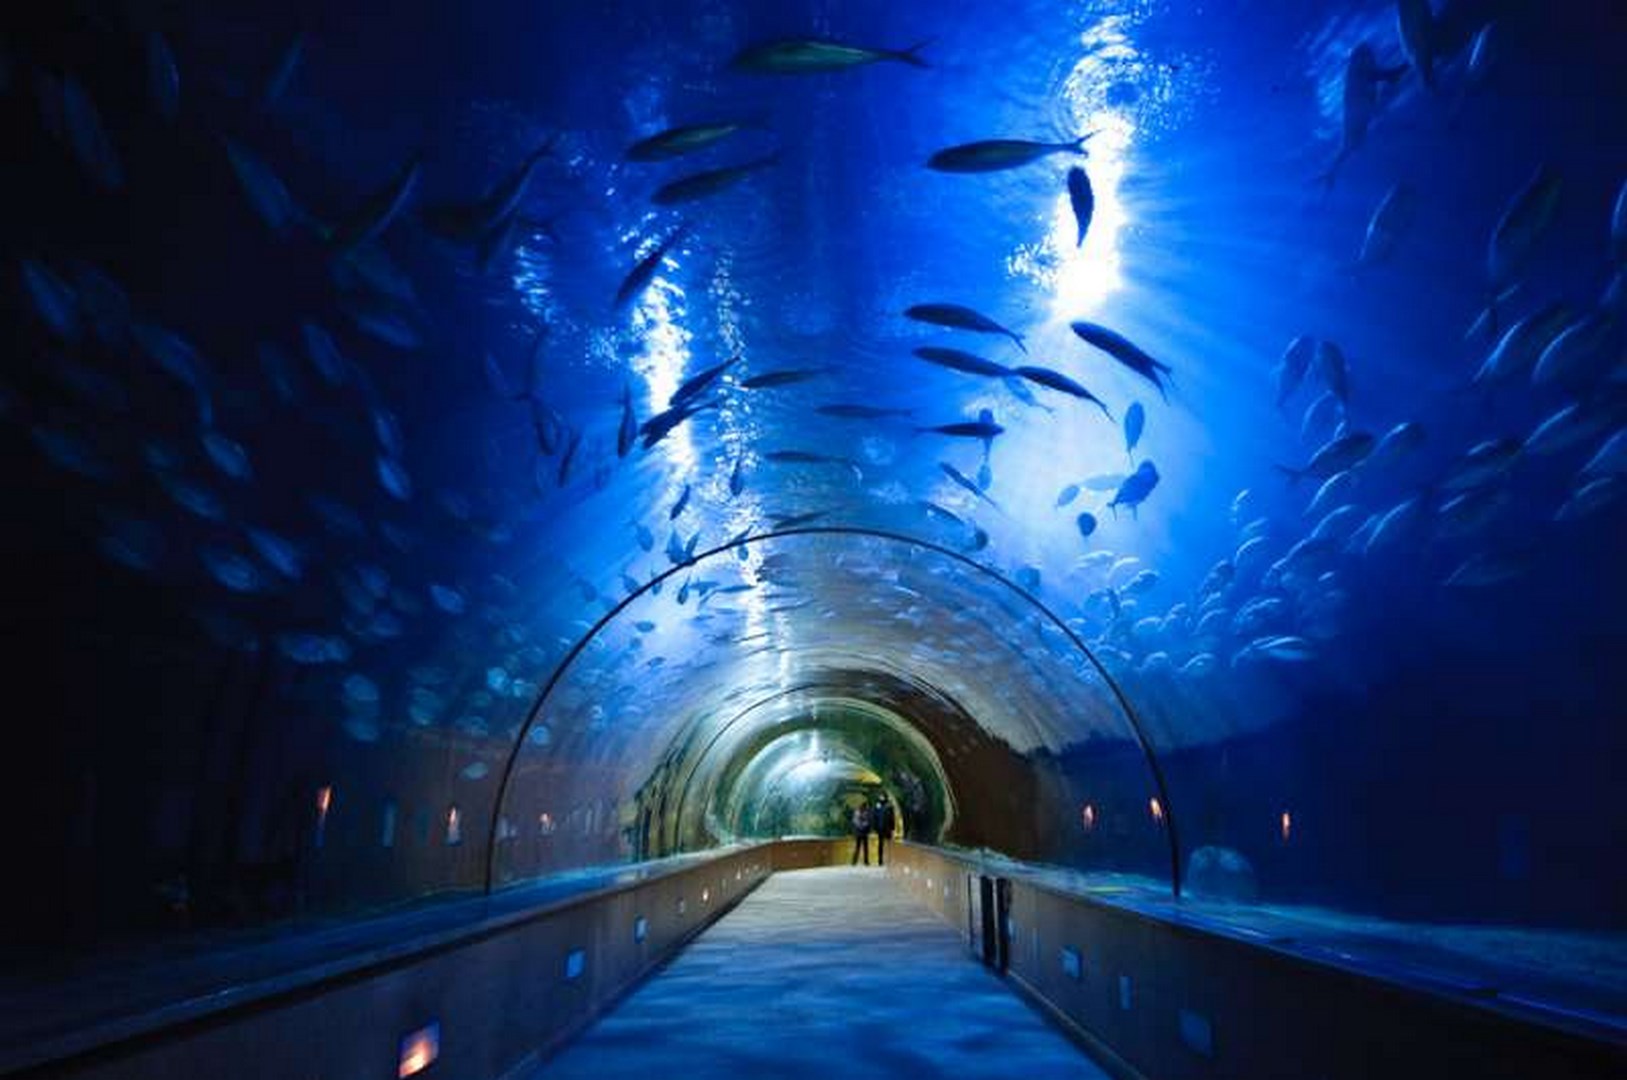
610 616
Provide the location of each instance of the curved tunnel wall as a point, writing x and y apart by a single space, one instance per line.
296 541
1004 806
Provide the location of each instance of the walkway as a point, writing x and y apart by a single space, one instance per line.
834 974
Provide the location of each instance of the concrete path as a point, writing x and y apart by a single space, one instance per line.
834 974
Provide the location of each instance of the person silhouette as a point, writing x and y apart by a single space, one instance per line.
861 834
882 819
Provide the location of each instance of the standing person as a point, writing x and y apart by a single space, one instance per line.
882 819
861 834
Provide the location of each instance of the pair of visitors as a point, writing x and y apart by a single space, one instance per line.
880 818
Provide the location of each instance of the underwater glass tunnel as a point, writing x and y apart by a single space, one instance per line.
1178 449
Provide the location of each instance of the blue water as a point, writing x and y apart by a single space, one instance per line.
308 494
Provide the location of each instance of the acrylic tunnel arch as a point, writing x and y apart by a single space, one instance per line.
798 775
1031 608
706 770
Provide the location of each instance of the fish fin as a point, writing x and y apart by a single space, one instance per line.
912 55
1294 475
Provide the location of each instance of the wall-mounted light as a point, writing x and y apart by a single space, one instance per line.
454 825
387 824
1157 809
545 823
324 802
419 1049
1287 825
1088 816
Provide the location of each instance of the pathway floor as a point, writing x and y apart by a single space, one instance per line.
835 974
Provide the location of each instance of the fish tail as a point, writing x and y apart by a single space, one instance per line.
1018 338
1078 145
1102 406
912 55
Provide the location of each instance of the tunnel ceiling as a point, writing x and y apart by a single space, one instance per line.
404 400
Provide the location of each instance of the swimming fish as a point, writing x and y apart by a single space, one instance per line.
1618 227
1055 380
1359 103
1591 497
1570 426
983 428
471 222
737 477
163 77
1514 240
1519 347
1135 422
1481 571
573 443
88 138
1416 24
678 507
1124 351
1282 648
1337 455
282 73
640 276
1485 462
700 382
383 318
1335 372
1135 489
957 360
1322 416
1291 369
661 424
960 317
1572 358
993 155
178 359
266 193
378 209
1083 200
627 431
1389 223
711 182
1610 459
1067 495
809 457
964 481
1399 442
53 299
782 377
805 56
683 139
1086 523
